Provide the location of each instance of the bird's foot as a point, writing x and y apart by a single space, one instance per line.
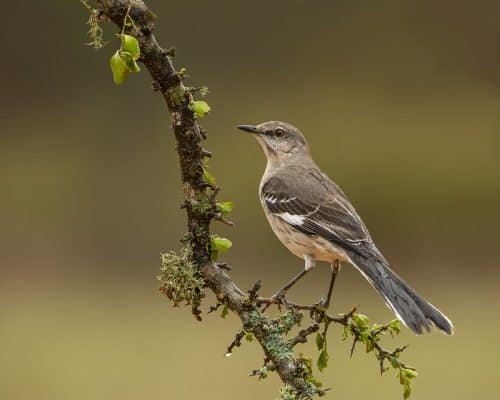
323 303
279 296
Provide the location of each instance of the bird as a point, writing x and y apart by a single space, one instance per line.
314 220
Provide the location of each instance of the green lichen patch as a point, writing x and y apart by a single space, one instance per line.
287 393
304 379
180 279
273 332
287 320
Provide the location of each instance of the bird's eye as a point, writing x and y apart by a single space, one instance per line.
279 132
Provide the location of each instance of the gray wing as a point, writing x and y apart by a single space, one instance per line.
317 207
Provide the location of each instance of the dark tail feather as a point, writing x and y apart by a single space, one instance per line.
414 311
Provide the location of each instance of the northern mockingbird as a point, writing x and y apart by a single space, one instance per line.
314 219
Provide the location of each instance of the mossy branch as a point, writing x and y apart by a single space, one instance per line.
185 276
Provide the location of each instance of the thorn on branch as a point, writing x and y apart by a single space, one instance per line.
146 30
205 185
353 347
196 311
224 266
235 343
219 217
200 90
303 334
181 75
206 153
349 315
214 308
254 290
156 86
171 51
214 193
342 318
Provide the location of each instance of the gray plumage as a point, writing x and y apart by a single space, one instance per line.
314 219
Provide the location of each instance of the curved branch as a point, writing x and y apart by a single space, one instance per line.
133 17
292 370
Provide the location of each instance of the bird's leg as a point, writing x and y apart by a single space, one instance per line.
280 294
335 269
309 264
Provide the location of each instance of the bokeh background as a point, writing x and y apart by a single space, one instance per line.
400 102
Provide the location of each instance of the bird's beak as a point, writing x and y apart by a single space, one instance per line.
249 128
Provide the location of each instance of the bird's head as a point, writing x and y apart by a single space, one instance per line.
280 141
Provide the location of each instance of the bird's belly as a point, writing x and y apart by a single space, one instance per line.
301 244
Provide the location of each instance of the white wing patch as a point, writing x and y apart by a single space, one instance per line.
292 219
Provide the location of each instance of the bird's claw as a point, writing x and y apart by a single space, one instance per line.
279 296
323 303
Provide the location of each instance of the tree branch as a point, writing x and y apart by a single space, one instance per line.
186 275
189 136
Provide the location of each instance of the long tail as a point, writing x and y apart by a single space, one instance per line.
413 310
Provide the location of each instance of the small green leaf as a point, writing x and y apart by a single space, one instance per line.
225 208
361 320
370 345
248 336
130 45
410 373
119 68
130 61
407 390
320 340
376 327
208 177
219 244
394 361
323 360
199 108
395 326
225 311
363 335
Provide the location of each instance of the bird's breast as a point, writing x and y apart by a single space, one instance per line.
301 244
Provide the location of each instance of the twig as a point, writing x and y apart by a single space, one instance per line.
252 293
235 343
303 334
214 308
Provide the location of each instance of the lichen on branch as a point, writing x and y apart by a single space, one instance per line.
181 281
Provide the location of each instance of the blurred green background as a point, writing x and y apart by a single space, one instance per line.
400 102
